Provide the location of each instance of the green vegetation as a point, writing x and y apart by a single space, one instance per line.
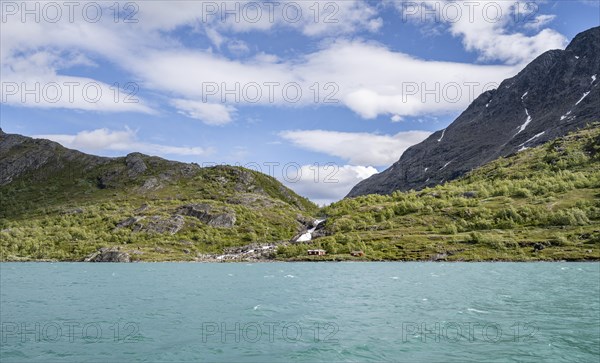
540 204
54 213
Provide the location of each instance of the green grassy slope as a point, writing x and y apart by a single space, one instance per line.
71 206
539 204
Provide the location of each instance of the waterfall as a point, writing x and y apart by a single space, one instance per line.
307 236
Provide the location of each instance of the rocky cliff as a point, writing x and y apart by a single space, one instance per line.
556 93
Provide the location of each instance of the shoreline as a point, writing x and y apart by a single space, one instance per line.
311 261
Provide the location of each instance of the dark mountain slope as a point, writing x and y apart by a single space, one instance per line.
556 93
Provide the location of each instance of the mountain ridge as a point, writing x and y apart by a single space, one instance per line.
59 203
556 93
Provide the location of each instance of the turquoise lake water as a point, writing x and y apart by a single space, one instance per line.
300 312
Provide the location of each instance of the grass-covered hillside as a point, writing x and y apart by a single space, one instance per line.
538 204
60 204
57 203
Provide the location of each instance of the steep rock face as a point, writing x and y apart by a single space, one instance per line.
556 93
21 154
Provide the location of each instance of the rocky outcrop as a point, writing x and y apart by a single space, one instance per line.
159 224
128 222
205 213
250 253
135 165
151 184
108 254
555 94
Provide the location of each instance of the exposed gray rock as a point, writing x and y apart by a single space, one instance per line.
439 257
142 208
151 184
135 165
204 212
199 211
470 194
158 224
250 253
39 159
320 231
128 222
108 254
544 101
226 220
109 179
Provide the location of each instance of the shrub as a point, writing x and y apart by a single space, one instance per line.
450 228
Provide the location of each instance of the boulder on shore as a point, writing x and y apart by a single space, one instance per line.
108 254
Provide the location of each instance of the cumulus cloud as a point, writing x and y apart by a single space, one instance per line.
329 182
119 140
358 148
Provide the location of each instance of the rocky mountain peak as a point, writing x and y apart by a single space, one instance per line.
556 93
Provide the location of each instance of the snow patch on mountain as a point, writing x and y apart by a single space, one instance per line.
445 165
565 115
533 138
443 132
527 122
584 96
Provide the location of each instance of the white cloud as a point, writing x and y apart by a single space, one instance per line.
214 114
32 81
327 183
371 79
399 85
356 148
238 47
215 37
540 21
483 26
115 140
337 17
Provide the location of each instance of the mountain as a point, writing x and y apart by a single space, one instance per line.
556 93
540 204
58 203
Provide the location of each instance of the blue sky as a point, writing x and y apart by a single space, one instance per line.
397 71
